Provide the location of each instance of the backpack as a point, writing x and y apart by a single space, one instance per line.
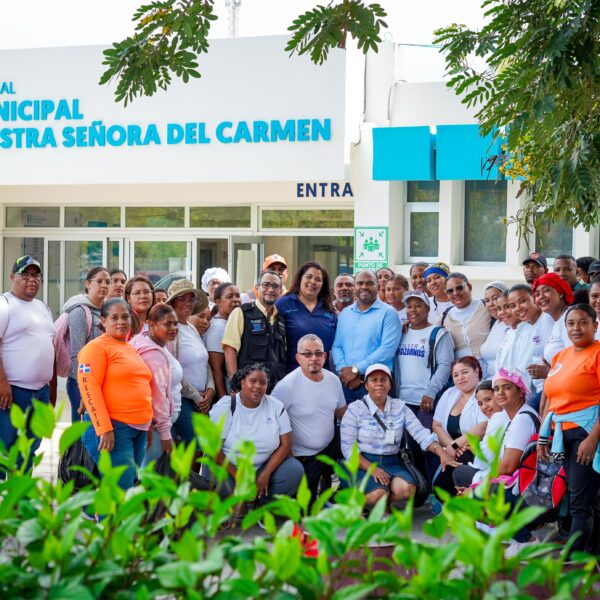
431 363
540 483
62 339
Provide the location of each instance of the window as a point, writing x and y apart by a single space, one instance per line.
17 247
220 216
92 216
422 219
552 237
304 219
485 221
37 216
154 216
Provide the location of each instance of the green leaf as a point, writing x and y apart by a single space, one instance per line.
70 435
17 417
30 531
354 592
176 575
43 420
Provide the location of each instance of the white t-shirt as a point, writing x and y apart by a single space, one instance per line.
193 356
559 340
311 406
489 348
498 421
262 426
26 344
402 315
542 329
519 430
503 350
214 335
413 353
437 310
176 377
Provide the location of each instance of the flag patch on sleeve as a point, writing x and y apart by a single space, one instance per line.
85 368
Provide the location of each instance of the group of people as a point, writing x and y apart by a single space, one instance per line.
373 359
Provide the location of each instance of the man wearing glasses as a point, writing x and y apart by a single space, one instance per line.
26 347
313 397
368 332
255 332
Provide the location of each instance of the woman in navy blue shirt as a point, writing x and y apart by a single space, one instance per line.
308 308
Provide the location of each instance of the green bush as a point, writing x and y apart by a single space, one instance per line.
164 539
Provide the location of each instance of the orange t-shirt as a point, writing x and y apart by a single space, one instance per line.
574 381
114 383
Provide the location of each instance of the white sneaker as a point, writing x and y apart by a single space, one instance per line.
516 547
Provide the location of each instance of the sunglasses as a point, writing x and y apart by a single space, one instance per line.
308 354
456 290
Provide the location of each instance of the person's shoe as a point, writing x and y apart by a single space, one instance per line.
435 505
516 547
546 533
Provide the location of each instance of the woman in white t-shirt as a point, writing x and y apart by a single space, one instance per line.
252 416
435 281
227 297
189 349
456 414
489 349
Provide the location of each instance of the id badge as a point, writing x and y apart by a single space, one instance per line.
390 436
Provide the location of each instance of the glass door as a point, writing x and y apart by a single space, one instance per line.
246 255
161 261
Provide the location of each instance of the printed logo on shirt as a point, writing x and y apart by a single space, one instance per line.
557 367
85 368
412 350
537 340
256 325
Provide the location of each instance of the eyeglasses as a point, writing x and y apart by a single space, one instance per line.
456 290
27 276
101 281
308 354
274 286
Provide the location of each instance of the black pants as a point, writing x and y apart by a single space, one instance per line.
583 484
426 462
445 479
463 475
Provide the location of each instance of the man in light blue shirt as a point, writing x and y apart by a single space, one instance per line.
368 332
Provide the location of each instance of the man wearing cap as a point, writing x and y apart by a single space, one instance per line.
274 262
26 346
313 397
594 270
255 332
343 290
534 266
368 332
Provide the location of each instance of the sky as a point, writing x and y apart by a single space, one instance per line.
41 23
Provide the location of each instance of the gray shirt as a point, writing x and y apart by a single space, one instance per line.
78 332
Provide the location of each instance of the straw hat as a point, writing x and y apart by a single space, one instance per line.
185 286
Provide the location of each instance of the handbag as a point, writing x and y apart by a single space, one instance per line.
406 460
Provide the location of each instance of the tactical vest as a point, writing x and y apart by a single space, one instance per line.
263 343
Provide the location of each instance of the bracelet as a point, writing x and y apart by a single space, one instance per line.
435 448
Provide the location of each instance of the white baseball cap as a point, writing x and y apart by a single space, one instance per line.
378 367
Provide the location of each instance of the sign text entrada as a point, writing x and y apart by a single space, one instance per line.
28 134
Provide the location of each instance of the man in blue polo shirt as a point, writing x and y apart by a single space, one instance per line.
368 332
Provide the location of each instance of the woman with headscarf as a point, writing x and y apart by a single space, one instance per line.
489 349
211 280
435 283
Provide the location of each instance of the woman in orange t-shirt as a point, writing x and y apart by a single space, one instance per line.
573 392
115 388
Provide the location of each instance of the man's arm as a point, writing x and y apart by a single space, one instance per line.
391 332
5 389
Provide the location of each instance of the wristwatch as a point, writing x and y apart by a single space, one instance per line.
454 445
354 370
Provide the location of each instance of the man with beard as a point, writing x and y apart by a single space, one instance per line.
534 266
343 289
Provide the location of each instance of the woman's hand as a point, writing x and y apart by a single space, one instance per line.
381 476
107 441
451 452
587 450
543 452
206 400
447 461
426 403
166 446
262 484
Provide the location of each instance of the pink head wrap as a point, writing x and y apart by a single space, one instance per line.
521 380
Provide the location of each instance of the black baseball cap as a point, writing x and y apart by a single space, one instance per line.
594 268
537 258
25 261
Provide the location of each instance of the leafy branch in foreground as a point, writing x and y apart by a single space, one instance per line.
168 38
171 34
541 89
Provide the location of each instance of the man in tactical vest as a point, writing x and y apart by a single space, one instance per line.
255 332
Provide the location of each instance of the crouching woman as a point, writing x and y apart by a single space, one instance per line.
377 423
253 416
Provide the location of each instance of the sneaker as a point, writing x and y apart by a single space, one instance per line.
435 505
516 547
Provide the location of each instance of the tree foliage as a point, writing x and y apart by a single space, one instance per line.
170 35
541 89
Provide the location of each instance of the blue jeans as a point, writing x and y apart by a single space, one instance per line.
74 398
129 449
183 428
23 399
534 400
352 395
